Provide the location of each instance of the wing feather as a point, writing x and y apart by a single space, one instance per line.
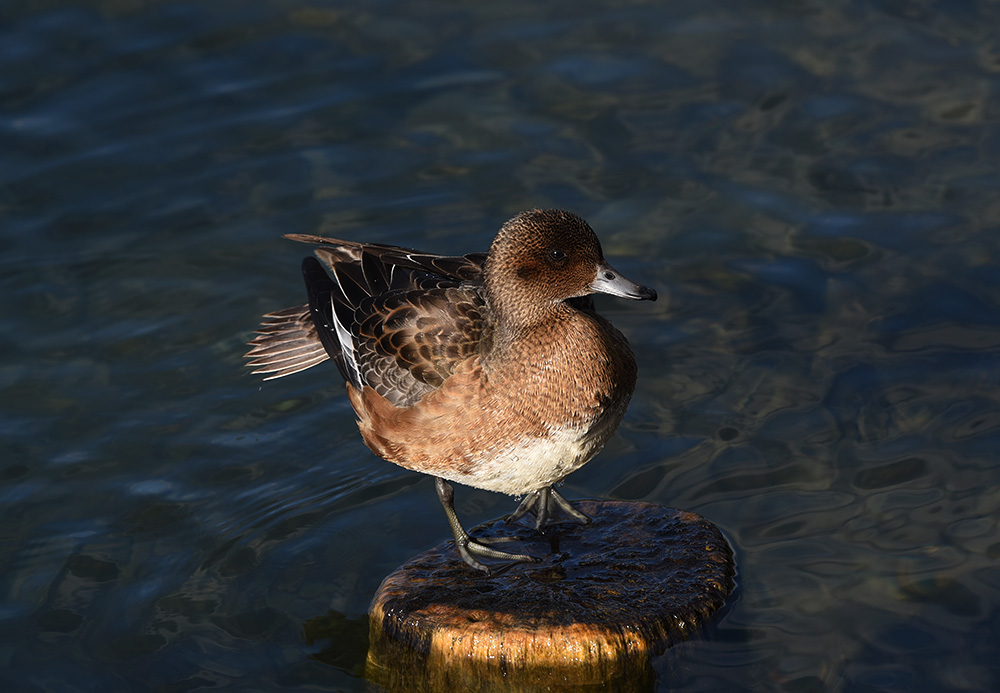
396 319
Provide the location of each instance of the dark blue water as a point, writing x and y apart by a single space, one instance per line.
813 185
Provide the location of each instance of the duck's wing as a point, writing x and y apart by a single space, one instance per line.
388 259
399 329
409 342
288 340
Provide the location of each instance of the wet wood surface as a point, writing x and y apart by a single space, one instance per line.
606 598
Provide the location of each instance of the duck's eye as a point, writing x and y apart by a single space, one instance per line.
557 255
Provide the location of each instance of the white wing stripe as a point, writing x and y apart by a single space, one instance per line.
346 347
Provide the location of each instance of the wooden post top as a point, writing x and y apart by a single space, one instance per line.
607 598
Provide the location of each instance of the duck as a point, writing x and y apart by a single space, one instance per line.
491 370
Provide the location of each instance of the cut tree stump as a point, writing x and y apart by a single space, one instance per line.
607 597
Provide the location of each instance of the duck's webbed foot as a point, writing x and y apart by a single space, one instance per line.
467 547
546 504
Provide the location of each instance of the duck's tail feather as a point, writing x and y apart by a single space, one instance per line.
286 343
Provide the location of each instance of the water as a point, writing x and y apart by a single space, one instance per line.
813 184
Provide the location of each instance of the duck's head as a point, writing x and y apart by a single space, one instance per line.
543 257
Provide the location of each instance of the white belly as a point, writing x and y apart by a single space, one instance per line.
532 464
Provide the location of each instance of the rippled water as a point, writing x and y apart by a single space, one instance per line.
814 184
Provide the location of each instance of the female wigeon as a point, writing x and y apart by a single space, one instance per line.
491 370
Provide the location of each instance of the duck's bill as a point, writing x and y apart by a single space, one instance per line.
610 281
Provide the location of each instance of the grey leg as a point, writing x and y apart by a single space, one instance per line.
467 548
544 504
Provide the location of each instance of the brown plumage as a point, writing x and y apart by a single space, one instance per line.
490 370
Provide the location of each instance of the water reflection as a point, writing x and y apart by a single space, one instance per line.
812 183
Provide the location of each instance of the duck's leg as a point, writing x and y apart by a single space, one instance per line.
543 504
467 548
536 503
